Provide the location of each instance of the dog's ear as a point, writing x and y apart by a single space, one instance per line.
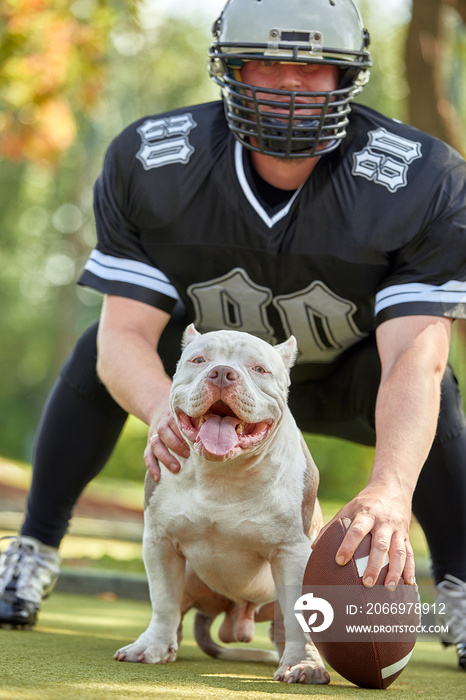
189 335
288 351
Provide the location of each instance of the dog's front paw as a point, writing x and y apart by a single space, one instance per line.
148 651
302 672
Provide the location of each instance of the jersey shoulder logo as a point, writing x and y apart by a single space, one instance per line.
385 159
165 141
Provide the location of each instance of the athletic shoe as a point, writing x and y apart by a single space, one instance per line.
28 572
452 593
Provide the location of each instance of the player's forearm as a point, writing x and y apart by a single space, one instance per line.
133 373
413 352
406 418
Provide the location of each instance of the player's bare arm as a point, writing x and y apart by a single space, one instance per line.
413 352
131 369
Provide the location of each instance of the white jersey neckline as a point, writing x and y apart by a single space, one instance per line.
270 221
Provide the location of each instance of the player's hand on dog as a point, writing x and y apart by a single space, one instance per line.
386 515
164 434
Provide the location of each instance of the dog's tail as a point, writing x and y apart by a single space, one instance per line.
202 625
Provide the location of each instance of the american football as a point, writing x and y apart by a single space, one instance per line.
373 631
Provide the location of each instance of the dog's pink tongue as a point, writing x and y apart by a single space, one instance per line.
218 435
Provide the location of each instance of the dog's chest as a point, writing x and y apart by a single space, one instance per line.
198 523
231 555
227 546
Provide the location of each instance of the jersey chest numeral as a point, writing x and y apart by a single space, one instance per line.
165 141
321 321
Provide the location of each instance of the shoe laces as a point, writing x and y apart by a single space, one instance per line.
452 592
31 573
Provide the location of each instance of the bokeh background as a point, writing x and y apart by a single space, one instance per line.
72 75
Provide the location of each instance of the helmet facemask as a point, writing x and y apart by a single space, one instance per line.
315 123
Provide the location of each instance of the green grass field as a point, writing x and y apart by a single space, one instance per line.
69 656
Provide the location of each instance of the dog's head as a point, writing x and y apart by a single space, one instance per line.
229 391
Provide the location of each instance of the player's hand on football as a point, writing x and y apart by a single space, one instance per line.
386 514
164 434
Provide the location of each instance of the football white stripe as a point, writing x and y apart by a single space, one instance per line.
361 564
250 196
390 670
115 269
452 292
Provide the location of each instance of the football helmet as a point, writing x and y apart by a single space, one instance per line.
298 31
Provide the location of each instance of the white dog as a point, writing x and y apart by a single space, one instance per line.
239 518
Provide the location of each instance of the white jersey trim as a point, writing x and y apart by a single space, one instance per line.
128 271
250 196
452 292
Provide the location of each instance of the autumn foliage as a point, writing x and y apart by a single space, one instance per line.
51 70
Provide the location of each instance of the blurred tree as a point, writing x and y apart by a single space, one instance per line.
92 67
51 68
52 72
436 74
435 67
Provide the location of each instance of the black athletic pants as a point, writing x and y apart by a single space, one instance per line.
81 424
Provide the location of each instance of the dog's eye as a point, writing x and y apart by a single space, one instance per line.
259 369
198 360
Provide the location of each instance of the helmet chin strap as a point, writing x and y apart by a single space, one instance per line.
274 134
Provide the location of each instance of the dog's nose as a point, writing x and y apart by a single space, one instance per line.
222 376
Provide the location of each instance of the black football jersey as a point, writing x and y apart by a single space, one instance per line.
377 231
